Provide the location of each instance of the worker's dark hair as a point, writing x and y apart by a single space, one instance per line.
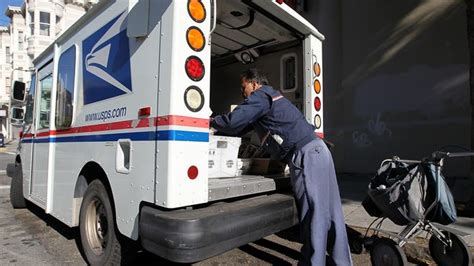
256 75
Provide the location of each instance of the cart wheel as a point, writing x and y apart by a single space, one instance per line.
356 245
385 252
457 254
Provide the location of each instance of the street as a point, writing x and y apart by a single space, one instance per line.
29 236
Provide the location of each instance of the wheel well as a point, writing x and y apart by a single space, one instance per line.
90 172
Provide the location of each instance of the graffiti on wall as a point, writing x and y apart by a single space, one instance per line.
376 128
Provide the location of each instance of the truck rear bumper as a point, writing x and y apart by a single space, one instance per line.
192 235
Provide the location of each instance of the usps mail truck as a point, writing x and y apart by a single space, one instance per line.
116 137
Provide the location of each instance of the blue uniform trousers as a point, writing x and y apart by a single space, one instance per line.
319 205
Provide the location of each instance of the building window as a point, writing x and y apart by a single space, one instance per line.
65 90
20 73
44 23
288 73
7 84
21 40
7 54
32 23
58 25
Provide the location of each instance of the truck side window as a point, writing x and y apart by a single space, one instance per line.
288 73
45 101
65 91
30 101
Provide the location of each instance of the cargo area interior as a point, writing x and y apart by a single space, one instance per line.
246 36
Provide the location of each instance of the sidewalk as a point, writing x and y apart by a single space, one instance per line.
353 190
10 146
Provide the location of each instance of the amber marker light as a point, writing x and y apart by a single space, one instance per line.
317 86
196 10
317 69
195 39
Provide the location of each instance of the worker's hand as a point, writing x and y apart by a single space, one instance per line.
210 121
212 131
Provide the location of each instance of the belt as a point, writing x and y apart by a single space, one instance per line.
298 145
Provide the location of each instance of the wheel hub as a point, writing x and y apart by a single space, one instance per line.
96 226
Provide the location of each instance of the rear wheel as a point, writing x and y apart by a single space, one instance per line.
385 252
17 199
456 254
99 240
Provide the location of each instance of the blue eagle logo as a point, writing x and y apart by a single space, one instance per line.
106 62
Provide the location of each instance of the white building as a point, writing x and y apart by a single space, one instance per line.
5 78
33 27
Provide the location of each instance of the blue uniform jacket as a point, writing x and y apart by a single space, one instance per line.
281 126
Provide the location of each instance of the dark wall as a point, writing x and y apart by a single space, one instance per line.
396 79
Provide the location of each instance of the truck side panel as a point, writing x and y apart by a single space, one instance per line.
117 76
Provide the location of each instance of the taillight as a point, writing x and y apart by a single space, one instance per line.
194 98
196 10
194 68
193 172
195 39
317 103
317 121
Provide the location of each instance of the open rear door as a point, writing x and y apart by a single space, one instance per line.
285 14
313 55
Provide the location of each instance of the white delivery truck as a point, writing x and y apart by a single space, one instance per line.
116 135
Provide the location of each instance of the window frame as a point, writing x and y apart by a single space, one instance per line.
21 40
32 23
59 88
283 76
45 23
30 100
40 95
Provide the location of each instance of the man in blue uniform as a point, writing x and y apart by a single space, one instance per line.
286 135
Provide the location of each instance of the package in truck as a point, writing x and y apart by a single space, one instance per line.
223 152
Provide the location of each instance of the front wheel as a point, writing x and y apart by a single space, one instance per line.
385 252
17 199
99 240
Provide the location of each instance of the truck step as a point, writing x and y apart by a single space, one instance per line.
224 188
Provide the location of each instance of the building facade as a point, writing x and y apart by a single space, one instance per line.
5 76
33 27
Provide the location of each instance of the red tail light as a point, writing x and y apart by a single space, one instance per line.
193 172
194 68
317 103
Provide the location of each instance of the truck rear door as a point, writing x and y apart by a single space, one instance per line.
313 77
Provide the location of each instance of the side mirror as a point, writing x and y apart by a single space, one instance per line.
17 116
19 91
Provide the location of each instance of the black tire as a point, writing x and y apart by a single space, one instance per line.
99 238
456 255
16 189
385 252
